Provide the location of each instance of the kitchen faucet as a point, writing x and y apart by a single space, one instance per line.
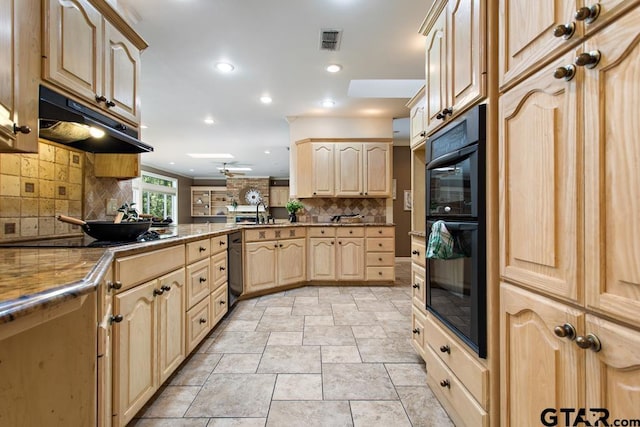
261 202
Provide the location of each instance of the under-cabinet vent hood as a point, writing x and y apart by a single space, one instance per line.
330 39
68 122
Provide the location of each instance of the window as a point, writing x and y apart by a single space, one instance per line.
156 195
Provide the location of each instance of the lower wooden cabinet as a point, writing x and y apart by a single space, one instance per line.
198 323
273 263
219 304
148 340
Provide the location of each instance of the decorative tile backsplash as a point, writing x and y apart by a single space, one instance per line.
321 210
34 188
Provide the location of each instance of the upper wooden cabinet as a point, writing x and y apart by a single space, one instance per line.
455 59
278 196
416 106
344 168
122 166
94 58
19 75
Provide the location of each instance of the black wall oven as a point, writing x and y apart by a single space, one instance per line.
455 194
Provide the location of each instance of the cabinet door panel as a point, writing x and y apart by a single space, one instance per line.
436 72
322 258
260 266
322 169
171 333
350 263
540 163
134 351
612 205
555 379
526 33
614 372
348 164
218 270
291 261
377 169
74 52
419 290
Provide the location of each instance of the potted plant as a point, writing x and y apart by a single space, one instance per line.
293 206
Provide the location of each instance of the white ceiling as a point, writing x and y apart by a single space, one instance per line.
275 48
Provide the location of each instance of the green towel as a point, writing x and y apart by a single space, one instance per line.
441 243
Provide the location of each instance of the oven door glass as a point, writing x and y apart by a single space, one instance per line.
451 188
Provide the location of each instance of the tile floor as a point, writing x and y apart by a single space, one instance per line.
314 356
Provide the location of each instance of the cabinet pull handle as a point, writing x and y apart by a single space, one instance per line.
222 243
567 72
333 243
280 245
587 14
116 319
415 252
21 129
314 193
202 249
379 231
222 268
339 243
445 383
202 320
202 279
100 98
222 302
444 113
157 292
416 286
321 231
565 331
380 259
166 288
445 349
590 342
587 59
423 133
416 331
565 31
379 273
350 231
110 104
114 285
380 244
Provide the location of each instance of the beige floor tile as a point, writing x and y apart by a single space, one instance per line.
275 301
237 422
285 338
236 325
328 335
379 413
306 300
279 359
368 331
354 318
173 401
318 321
340 354
281 323
306 291
239 342
196 370
312 310
387 350
278 311
298 387
366 381
407 374
309 414
423 408
234 395
238 364
337 298
169 422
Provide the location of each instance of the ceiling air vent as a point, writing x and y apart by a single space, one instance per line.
330 39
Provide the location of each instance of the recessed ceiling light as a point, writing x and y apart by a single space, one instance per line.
266 99
267 152
224 67
334 68
191 170
210 155
208 121
328 103
172 163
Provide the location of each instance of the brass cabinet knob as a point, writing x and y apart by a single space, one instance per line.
564 31
110 104
222 268
445 383
587 59
117 318
445 349
416 331
21 129
587 14
114 285
565 331
567 72
589 342
222 243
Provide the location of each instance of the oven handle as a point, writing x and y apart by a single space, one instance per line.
458 226
452 157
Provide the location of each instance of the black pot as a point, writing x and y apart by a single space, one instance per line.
109 230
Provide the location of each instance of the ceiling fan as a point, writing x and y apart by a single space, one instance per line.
228 173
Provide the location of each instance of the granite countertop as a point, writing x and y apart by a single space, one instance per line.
36 278
418 233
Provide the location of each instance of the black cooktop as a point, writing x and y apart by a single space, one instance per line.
86 241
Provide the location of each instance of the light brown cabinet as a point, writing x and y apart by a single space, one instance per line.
344 168
92 57
122 166
417 122
19 75
455 33
336 253
278 196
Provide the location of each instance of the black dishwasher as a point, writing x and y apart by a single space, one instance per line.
235 267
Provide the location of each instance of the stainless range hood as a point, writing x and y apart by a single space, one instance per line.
68 122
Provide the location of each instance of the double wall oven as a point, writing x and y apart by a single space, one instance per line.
455 194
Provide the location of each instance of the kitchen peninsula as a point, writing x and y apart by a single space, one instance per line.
56 304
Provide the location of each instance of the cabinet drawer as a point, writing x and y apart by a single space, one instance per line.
418 320
322 231
473 375
198 250
381 273
219 304
418 288
350 231
380 232
418 251
198 323
218 270
197 282
136 269
218 244
273 233
377 259
456 395
381 244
